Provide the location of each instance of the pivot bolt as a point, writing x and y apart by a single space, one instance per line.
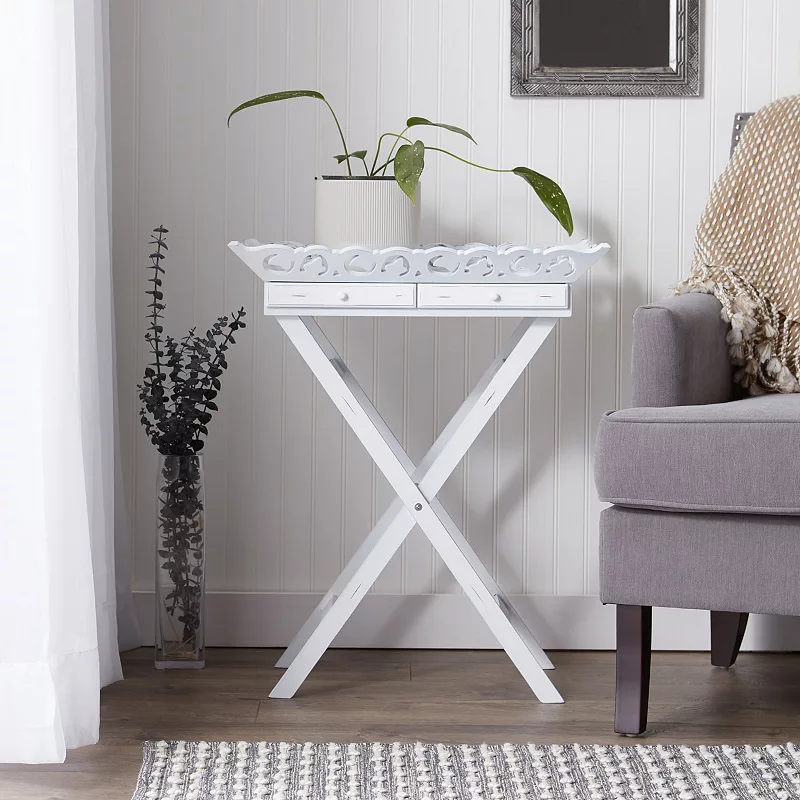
418 507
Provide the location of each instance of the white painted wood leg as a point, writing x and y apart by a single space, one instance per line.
414 505
351 570
391 534
443 533
486 580
444 455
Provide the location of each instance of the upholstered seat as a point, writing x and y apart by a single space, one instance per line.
736 457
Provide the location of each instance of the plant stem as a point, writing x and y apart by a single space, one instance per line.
396 141
154 342
465 161
383 166
397 138
341 135
373 171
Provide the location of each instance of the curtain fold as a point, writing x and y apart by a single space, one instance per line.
58 595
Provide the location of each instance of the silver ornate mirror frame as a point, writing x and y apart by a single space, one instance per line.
680 78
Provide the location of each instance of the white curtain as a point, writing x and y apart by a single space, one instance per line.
58 599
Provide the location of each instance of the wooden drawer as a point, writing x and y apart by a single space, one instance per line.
494 295
339 295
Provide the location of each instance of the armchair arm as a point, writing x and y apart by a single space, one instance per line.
680 355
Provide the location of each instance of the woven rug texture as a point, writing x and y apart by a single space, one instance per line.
373 771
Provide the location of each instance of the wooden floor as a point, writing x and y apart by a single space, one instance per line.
396 695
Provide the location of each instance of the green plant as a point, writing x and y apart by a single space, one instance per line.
407 157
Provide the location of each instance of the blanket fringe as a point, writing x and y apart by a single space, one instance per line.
763 342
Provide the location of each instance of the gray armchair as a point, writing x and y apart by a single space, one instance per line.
703 482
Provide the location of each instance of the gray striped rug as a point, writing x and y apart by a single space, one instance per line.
372 771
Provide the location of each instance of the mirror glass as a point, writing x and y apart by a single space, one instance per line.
604 34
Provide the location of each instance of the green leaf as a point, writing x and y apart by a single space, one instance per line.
357 154
275 97
550 193
408 165
412 122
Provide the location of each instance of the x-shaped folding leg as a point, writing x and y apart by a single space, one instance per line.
416 503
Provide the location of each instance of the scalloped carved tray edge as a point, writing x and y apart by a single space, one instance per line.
469 263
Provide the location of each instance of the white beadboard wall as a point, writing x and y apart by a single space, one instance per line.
291 493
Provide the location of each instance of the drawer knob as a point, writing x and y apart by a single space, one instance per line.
494 297
343 296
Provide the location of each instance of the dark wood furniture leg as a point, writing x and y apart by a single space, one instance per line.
727 630
634 632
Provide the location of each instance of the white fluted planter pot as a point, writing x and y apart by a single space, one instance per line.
365 212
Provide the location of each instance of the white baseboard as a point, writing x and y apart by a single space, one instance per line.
255 619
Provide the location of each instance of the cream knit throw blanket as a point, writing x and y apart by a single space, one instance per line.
747 250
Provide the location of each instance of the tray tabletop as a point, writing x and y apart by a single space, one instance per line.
473 263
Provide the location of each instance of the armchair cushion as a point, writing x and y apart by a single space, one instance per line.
738 457
680 353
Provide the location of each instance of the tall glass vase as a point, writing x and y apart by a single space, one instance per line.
180 563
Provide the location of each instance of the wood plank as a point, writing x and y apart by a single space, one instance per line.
431 696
